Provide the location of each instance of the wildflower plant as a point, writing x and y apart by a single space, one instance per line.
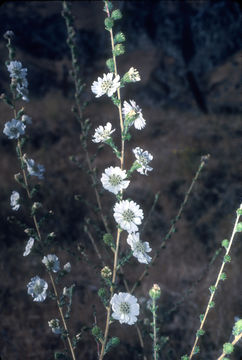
15 130
120 304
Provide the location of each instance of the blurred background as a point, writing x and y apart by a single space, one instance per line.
188 54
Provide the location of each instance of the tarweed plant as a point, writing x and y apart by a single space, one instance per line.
121 303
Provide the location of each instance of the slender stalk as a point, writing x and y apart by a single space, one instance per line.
215 287
236 339
111 294
174 221
71 43
39 236
154 330
62 316
119 231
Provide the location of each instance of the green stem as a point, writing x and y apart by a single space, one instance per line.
215 286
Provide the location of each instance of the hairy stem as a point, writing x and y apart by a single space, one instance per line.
119 231
154 330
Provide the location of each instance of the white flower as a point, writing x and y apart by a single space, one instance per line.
128 215
29 246
106 85
103 134
113 179
51 262
132 75
14 129
37 288
139 248
125 308
14 200
67 267
54 324
34 169
142 159
134 113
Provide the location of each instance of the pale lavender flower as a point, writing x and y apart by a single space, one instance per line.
37 288
67 267
139 248
26 119
51 262
125 308
134 113
14 200
34 169
29 246
54 324
142 159
18 75
14 129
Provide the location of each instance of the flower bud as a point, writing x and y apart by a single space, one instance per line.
155 292
116 14
108 23
118 50
119 38
108 239
228 348
106 273
237 329
110 65
131 76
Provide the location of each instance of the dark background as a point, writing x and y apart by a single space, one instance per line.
189 56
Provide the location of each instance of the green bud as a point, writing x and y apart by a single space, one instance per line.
108 239
102 293
196 350
228 348
239 211
227 258
225 243
106 273
212 289
237 329
108 23
116 14
114 341
118 50
185 357
155 292
211 304
201 316
200 332
119 38
110 65
223 276
239 227
97 332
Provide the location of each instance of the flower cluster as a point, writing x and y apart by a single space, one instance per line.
18 76
127 214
